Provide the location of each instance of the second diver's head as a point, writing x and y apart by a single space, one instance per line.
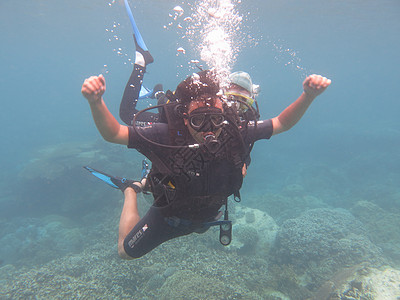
200 95
241 88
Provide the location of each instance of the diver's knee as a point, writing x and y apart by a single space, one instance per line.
121 250
130 254
122 253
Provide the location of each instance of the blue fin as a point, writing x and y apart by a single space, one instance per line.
145 169
145 92
138 36
114 181
103 176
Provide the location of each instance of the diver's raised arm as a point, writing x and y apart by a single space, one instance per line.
313 86
93 89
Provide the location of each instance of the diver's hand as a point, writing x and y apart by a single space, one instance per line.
93 88
314 85
244 170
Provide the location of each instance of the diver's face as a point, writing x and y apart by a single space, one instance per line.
235 89
204 119
239 95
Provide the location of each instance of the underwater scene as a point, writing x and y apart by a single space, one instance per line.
319 216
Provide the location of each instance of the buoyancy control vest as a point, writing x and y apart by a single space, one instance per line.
189 176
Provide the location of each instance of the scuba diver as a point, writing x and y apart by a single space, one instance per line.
197 157
197 153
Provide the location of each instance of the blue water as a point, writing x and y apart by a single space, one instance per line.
344 150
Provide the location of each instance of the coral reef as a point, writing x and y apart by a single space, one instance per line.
382 227
36 241
65 246
184 283
179 269
320 242
383 283
361 283
288 204
97 272
284 279
53 181
253 231
197 266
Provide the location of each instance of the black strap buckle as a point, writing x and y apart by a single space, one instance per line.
225 229
236 196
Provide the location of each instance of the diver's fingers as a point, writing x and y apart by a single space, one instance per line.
102 80
306 81
314 85
326 82
322 82
92 89
90 85
318 81
94 84
314 81
87 85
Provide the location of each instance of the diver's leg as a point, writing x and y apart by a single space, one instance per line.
130 214
142 57
127 109
149 232
129 218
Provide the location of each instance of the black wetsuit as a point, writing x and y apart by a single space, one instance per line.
189 185
127 108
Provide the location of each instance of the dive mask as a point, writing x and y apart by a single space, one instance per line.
236 97
206 119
